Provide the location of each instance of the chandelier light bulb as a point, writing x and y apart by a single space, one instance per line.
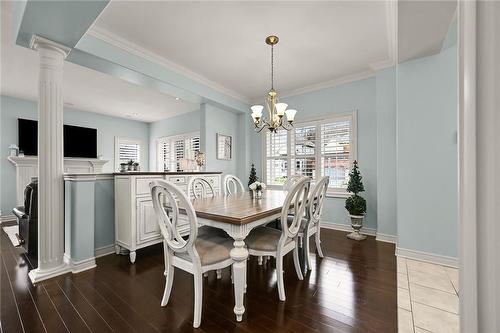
257 110
280 108
290 115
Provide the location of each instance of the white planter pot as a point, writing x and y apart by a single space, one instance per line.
356 224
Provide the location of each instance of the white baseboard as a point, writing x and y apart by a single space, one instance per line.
386 238
427 257
79 266
8 218
104 251
347 227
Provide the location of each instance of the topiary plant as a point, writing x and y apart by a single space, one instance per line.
355 204
253 176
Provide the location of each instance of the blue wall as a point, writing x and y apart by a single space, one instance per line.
107 128
358 95
427 175
386 152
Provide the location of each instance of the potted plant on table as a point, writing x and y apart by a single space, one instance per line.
130 165
356 204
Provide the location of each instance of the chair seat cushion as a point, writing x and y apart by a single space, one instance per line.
211 248
205 229
264 239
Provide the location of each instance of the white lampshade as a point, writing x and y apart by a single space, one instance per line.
290 114
280 108
257 110
254 117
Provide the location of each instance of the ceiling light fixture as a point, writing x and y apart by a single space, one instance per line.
275 110
177 98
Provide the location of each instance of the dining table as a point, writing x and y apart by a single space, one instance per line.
238 214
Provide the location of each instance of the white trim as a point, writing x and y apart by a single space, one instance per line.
8 218
468 272
132 48
427 257
81 177
328 84
386 238
36 42
104 251
347 228
36 275
79 266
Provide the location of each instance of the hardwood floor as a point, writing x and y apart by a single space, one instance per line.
353 289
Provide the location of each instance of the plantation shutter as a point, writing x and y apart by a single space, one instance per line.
129 151
276 157
304 151
335 152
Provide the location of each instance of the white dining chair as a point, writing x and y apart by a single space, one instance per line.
200 188
265 241
291 181
233 184
194 253
311 224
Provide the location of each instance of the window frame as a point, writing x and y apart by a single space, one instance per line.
171 139
132 141
353 147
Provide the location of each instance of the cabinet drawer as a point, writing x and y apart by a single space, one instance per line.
179 180
142 184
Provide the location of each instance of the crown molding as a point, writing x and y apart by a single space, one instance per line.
329 84
117 41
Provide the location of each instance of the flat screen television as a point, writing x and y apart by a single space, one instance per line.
78 141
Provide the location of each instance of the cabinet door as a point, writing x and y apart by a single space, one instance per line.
147 226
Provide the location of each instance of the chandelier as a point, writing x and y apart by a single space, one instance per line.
276 111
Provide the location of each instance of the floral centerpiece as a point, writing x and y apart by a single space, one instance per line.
257 188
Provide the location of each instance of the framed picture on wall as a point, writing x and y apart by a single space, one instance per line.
224 147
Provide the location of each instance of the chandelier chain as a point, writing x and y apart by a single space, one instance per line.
272 67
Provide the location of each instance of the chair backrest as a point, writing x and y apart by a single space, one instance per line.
296 201
199 187
168 202
316 199
233 184
294 179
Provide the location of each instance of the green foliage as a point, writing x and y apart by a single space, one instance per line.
253 176
355 205
355 185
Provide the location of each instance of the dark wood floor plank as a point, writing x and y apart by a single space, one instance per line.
352 289
11 320
71 317
89 314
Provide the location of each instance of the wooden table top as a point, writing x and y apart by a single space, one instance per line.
240 208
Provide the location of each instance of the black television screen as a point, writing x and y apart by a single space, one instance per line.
78 141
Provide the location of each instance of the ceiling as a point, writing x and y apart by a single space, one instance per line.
422 27
223 42
84 89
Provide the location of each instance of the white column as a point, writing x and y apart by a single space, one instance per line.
50 160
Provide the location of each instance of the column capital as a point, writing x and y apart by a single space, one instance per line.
38 42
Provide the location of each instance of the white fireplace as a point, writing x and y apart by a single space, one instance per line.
27 167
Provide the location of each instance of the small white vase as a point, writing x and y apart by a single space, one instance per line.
257 194
356 224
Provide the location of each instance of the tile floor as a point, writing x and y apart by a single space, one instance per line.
427 297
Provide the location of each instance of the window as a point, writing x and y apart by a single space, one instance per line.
171 150
126 150
314 148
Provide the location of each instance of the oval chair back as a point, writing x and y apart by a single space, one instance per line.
316 199
168 203
296 202
232 185
200 188
294 179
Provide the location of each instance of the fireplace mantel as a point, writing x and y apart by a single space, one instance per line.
27 167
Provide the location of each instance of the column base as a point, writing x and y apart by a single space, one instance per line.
38 275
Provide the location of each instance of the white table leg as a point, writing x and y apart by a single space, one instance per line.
239 254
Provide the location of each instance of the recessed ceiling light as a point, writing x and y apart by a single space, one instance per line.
177 98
